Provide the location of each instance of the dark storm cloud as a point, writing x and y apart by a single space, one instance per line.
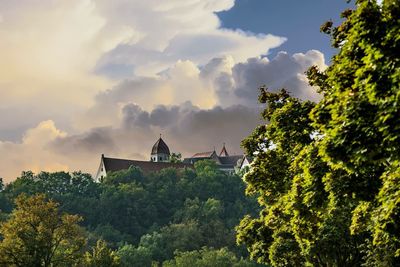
284 71
161 116
94 141
239 83
191 129
134 116
212 127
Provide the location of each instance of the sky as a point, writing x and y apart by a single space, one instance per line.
298 21
87 77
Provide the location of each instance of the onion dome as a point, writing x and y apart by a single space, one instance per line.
160 147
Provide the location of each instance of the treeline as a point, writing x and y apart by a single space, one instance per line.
169 218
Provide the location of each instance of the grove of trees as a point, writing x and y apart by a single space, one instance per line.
129 219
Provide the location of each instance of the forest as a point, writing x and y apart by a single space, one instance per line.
169 218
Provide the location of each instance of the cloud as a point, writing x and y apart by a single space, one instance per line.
58 55
284 71
198 48
33 152
50 49
172 31
94 141
221 81
169 68
47 49
186 129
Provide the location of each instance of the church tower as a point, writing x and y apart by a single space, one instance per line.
160 152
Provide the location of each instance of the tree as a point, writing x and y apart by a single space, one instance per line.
109 234
327 174
270 238
101 256
26 183
176 157
76 192
133 174
37 235
126 208
3 201
359 118
134 257
207 257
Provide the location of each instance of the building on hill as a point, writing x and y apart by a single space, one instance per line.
108 165
160 159
224 161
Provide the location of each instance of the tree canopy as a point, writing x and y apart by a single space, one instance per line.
327 174
37 235
137 219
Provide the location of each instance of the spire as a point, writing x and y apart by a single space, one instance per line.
224 153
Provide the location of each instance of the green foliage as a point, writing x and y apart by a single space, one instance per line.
175 158
271 237
145 218
36 234
101 256
125 207
108 233
134 257
327 174
5 204
207 257
188 235
124 176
